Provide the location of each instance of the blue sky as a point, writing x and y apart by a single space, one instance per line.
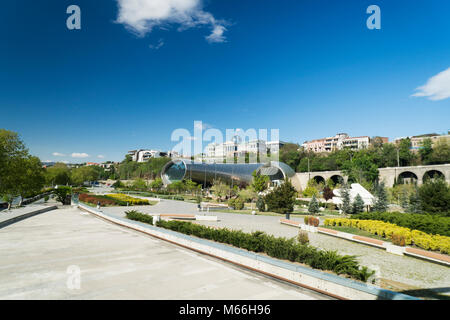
131 76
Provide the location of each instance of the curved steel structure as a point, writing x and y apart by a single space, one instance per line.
235 173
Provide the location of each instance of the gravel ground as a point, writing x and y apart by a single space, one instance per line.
405 272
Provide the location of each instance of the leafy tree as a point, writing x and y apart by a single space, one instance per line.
59 174
281 199
139 184
426 150
311 189
345 197
358 205
441 152
79 175
260 182
117 184
247 194
435 196
313 206
220 189
20 173
328 193
156 184
414 204
407 157
381 202
61 193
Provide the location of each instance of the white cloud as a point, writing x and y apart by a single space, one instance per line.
101 156
437 87
79 155
57 154
157 46
141 16
217 34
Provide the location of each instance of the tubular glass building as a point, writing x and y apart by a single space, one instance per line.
233 173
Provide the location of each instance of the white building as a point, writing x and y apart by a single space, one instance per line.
236 147
143 155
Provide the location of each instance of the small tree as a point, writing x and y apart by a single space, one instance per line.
435 196
358 205
381 202
260 182
313 205
415 204
327 193
260 204
281 199
61 194
345 197
156 184
117 184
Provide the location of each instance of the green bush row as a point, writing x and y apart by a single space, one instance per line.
137 216
280 248
431 224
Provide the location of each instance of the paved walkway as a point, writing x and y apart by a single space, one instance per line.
396 272
117 263
6 215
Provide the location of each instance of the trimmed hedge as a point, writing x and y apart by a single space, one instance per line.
137 216
280 248
258 241
387 230
427 223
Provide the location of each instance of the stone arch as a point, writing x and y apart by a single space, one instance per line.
337 179
432 174
319 179
407 177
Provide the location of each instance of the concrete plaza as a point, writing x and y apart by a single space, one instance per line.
40 257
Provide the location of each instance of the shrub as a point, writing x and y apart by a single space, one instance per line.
313 221
306 219
61 194
137 216
386 230
281 199
239 203
232 203
46 198
302 237
313 205
432 224
398 240
280 248
260 204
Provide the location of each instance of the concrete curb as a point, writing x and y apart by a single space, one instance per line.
25 215
389 247
325 283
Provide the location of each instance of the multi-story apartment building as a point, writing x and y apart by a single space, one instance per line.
338 142
417 141
236 147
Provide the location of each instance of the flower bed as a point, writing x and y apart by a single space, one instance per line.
112 199
431 224
389 230
125 198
